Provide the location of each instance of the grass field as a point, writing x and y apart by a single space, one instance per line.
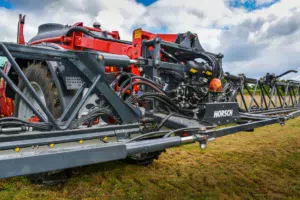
264 164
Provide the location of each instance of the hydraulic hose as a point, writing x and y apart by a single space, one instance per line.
89 33
144 83
157 87
216 67
287 72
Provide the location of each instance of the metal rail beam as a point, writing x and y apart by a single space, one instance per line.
35 161
58 133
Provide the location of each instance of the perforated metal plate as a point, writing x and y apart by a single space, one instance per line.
73 82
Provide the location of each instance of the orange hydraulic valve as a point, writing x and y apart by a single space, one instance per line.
215 85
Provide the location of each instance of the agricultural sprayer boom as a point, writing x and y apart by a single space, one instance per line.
76 95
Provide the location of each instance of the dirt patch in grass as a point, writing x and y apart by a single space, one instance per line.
264 164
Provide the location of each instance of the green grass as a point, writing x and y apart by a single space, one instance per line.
264 164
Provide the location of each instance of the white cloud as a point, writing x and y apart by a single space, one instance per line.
254 42
268 39
113 15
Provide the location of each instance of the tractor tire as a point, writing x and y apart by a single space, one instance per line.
49 178
144 159
39 74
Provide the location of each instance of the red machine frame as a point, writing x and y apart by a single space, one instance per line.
77 41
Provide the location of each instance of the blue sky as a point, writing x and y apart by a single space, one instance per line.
249 5
5 4
146 2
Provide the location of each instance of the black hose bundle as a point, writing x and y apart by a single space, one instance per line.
89 118
118 78
13 122
89 33
165 100
150 83
166 133
217 70
94 114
